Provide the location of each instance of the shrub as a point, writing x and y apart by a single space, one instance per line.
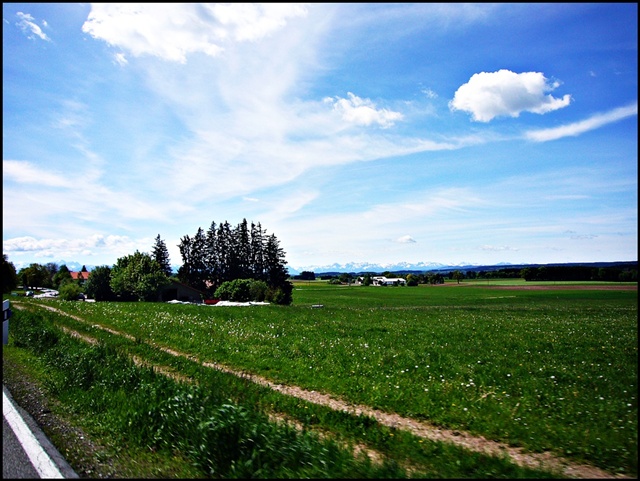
280 295
69 292
238 290
258 290
98 286
244 290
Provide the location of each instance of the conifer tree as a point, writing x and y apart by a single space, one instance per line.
242 250
225 252
212 261
160 254
184 272
198 260
257 252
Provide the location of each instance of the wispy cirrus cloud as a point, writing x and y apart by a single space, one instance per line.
493 248
577 128
29 26
28 173
363 111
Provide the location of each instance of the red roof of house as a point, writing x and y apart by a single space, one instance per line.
74 275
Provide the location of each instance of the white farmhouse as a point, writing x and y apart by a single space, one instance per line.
387 281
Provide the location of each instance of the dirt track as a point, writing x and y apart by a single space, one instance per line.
567 287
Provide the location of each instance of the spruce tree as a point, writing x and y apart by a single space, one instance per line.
257 253
198 260
243 250
160 254
184 272
212 258
225 252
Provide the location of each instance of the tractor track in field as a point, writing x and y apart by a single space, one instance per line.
480 444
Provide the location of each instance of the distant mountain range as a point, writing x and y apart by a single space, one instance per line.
357 267
404 267
398 268
368 267
73 266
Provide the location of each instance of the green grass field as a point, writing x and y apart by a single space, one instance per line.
546 370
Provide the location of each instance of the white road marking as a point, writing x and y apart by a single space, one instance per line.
41 461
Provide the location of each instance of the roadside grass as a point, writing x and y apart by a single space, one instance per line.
105 455
545 370
132 409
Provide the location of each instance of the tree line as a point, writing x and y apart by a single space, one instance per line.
211 260
49 275
539 273
579 273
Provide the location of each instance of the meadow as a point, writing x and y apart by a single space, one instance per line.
546 370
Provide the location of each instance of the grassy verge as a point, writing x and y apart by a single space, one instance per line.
93 453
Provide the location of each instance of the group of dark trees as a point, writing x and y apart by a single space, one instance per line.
49 276
214 262
305 276
9 275
224 253
579 273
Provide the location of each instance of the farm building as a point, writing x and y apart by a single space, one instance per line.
176 291
387 281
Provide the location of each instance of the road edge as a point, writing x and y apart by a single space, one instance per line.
61 463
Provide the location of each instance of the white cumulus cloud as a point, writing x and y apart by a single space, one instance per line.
504 93
171 31
363 111
27 243
406 239
60 248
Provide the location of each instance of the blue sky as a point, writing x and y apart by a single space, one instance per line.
382 133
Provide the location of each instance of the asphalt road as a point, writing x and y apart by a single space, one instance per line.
26 451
